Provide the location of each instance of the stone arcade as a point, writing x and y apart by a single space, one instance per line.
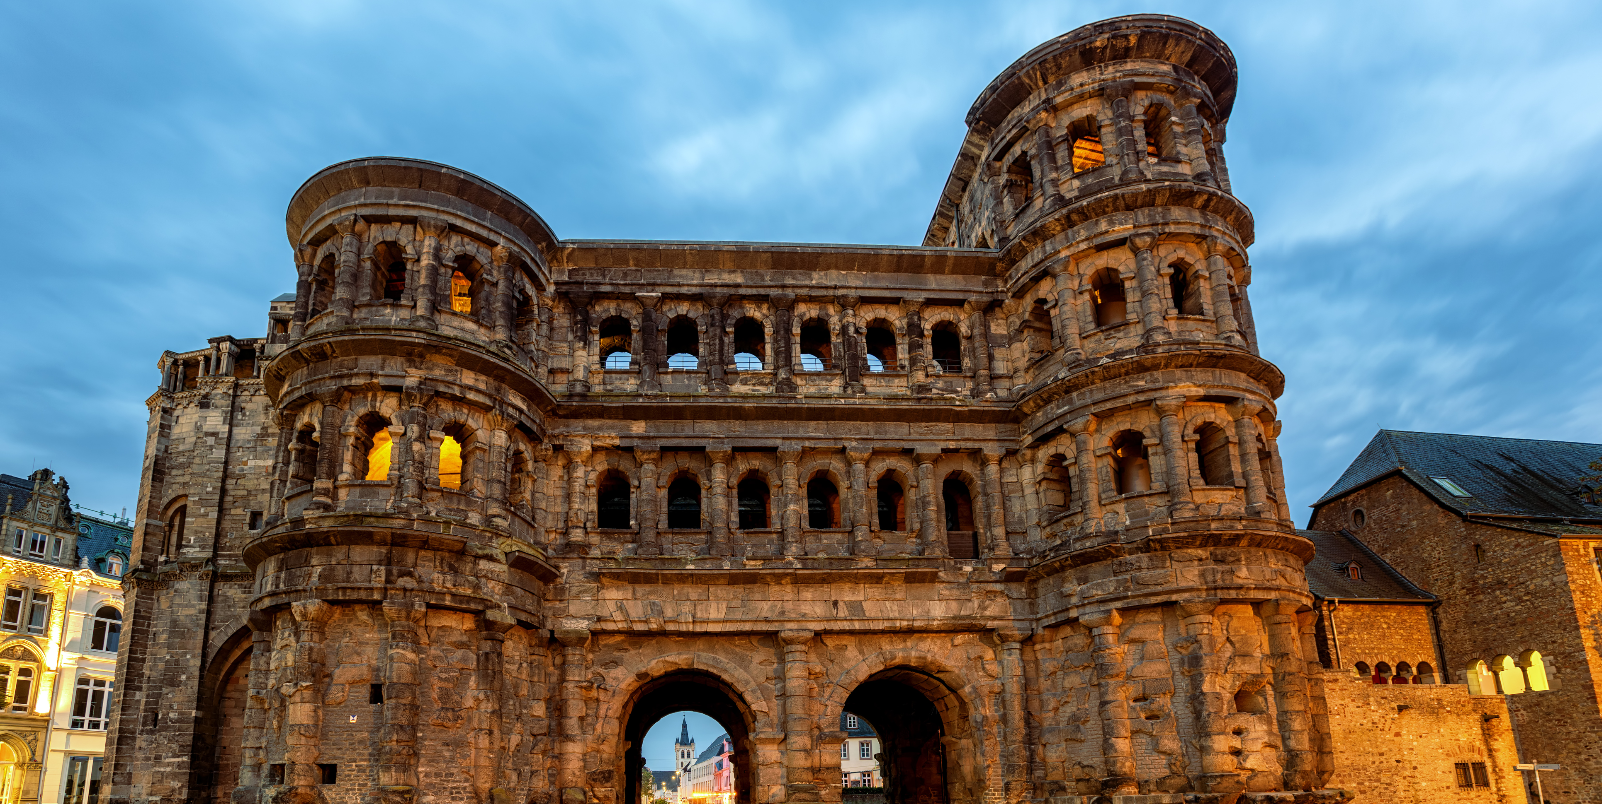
485 504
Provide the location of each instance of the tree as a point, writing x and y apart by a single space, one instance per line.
646 790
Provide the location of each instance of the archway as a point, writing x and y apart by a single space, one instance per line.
905 705
687 690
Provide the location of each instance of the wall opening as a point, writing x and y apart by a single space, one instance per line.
824 503
752 502
1018 182
905 707
880 344
946 348
1213 449
1132 473
749 345
1531 663
371 460
390 260
1038 331
815 345
683 342
1085 145
612 501
1108 298
684 503
1480 679
723 769
960 509
613 341
465 285
1055 486
1510 679
1186 293
889 504
456 469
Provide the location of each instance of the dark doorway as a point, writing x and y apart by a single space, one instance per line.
686 691
913 752
961 539
684 504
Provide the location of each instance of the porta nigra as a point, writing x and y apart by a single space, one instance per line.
485 503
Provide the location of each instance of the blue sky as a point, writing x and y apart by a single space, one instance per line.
658 747
1425 177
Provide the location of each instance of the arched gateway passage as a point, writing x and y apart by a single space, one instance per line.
696 692
915 715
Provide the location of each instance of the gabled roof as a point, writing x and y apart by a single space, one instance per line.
1503 476
713 750
1328 572
863 729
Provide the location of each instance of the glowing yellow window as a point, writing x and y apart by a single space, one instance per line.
379 457
450 463
1086 153
461 293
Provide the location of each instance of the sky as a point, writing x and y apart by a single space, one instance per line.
1425 177
658 747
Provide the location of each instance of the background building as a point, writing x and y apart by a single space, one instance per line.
860 751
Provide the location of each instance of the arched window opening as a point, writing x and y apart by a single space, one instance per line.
1214 455
684 503
1085 145
175 529
464 285
613 341
1266 469
114 565
1250 699
1108 298
1157 132
1531 663
1362 669
880 343
1480 679
683 342
1055 486
888 497
1510 679
1383 673
1424 674
245 364
752 503
1403 673
518 478
189 374
373 445
749 345
910 715
824 504
1186 294
454 469
961 540
1018 182
1353 571
1132 473
303 466
107 630
815 342
1039 335
391 273
322 289
612 501
525 317
946 348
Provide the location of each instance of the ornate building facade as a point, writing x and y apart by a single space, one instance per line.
485 504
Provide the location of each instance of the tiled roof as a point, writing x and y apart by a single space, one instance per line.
98 538
1503 476
1328 575
284 297
18 488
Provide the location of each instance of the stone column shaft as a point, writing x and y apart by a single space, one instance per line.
430 230
799 777
852 354
303 292
328 456
577 465
344 301
646 506
719 539
980 337
398 754
1068 314
303 715
1203 666
571 741
1177 476
579 368
1247 440
715 354
1192 143
783 382
862 545
496 477
501 304
791 510
1225 323
918 379
996 522
1086 468
490 705
1131 155
1112 703
1153 328
1299 763
253 740
651 348
1046 162
1016 785
932 531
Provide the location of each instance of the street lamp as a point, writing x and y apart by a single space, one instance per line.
1537 771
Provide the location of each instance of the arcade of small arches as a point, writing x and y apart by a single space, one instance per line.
1508 675
1396 673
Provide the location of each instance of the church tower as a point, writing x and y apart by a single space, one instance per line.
684 748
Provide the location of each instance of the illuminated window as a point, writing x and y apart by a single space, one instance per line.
461 293
107 629
17 670
1536 674
374 446
1510 679
1086 148
451 459
91 704
38 612
114 566
11 614
1354 572
83 781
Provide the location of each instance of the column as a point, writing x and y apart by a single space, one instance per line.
791 510
1203 667
579 363
485 715
1192 142
253 741
714 355
1276 483
995 520
1068 312
1112 702
1084 428
1016 783
578 463
328 452
781 302
501 304
1288 681
1225 322
497 424
1044 161
304 254
651 350
1247 444
303 713
1131 156
1153 329
571 731
429 231
1217 158
1319 716
719 540
409 451
980 341
799 781
349 228
398 753
862 510
932 531
646 457
539 500
1177 472
918 380
852 354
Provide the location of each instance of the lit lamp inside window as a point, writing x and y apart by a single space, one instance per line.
461 293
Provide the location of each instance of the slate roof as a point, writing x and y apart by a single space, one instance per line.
1328 572
1504 476
713 750
667 780
863 729
98 538
284 297
19 488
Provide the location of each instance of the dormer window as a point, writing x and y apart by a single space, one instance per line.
1353 571
1451 487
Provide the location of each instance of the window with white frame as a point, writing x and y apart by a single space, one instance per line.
18 668
852 721
38 612
11 612
82 785
865 751
20 541
55 548
36 545
106 632
91 703
845 750
114 565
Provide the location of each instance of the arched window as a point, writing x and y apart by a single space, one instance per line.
824 503
684 503
464 285
1362 669
517 478
1108 298
815 343
1383 673
372 458
390 261
1132 474
1403 673
175 529
1018 182
1157 132
683 342
1085 145
1039 336
888 497
322 289
1510 679
107 629
752 502
1055 485
114 565
1531 662
1186 295
880 343
613 341
1480 679
1424 674
1214 455
303 466
946 348
612 501
960 509
455 469
749 345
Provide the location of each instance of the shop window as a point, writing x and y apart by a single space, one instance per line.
946 348
91 704
82 785
684 504
1214 455
1132 473
752 503
890 506
824 504
1108 298
612 501
106 630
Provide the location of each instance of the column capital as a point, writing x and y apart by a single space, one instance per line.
647 453
347 225
305 253
1082 425
782 301
795 637
1057 267
571 637
858 453
789 454
1244 409
912 305
433 227
992 456
649 300
1169 405
923 458
1143 241
1013 636
501 255
1102 619
404 611
719 454
580 298
1220 247
848 301
1197 607
716 299
311 612
496 621
577 449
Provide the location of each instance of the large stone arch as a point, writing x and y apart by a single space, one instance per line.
224 691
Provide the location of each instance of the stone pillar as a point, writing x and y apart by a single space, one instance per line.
852 353
429 231
501 304
1217 158
918 378
580 357
1045 162
1130 153
303 714
1112 703
304 269
651 348
578 464
253 741
409 451
1084 429
1319 717
328 452
1276 484
571 734
646 506
781 302
398 753
932 531
996 505
1220 289
1177 475
485 714
1290 685
1203 666
539 499
1153 329
791 505
799 778
1192 142
1246 414
498 425
719 540
715 355
349 227
1068 312
861 508
1016 782
980 338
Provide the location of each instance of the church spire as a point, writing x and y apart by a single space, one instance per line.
684 732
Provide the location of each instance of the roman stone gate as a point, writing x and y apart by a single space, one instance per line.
484 504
